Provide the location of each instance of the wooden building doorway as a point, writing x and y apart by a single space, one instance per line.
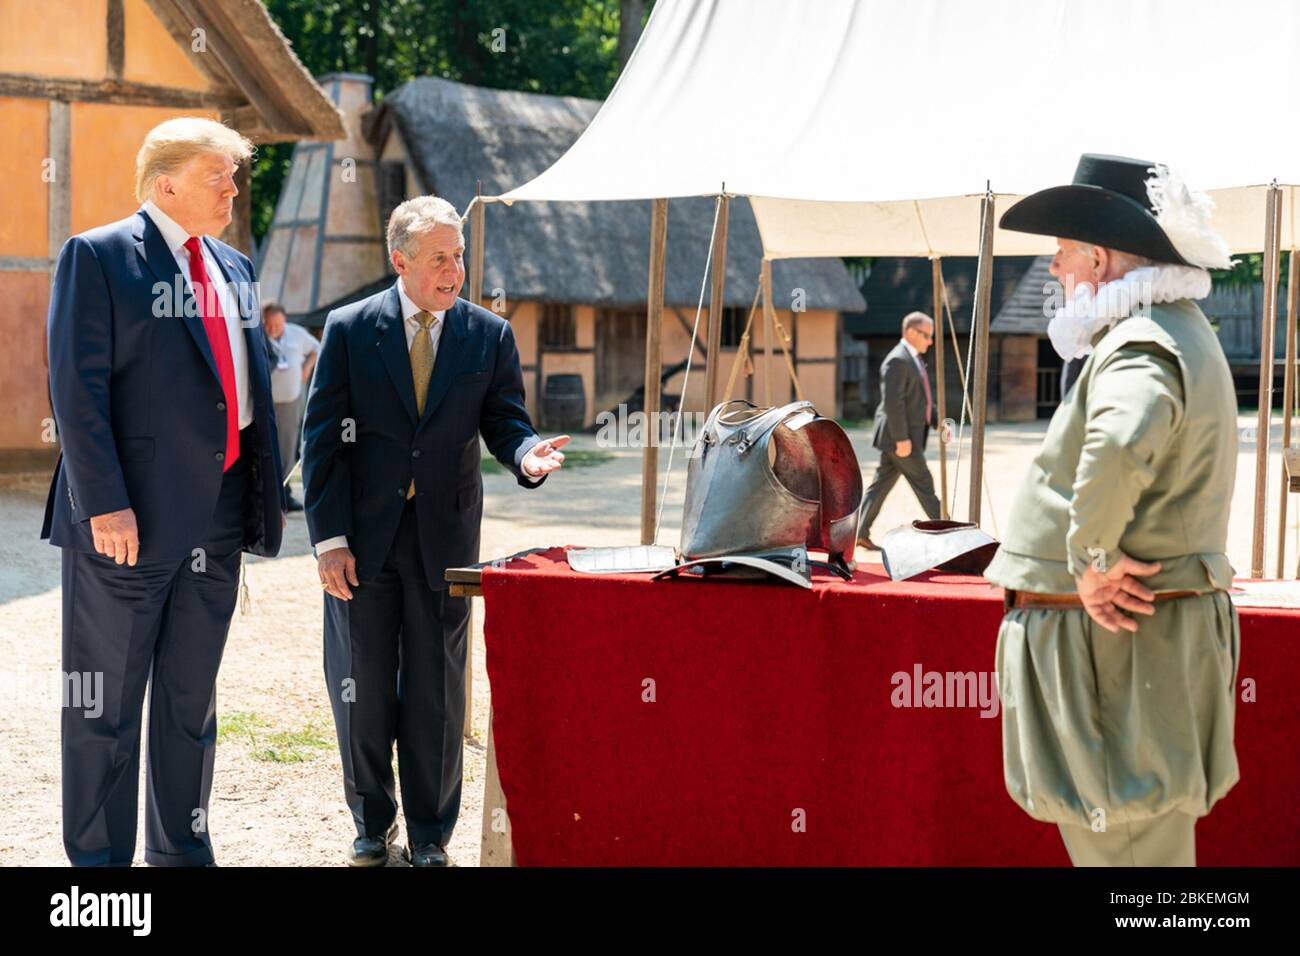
620 355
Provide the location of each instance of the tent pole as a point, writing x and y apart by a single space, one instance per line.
936 269
713 348
768 331
1288 402
654 316
1272 239
980 387
476 220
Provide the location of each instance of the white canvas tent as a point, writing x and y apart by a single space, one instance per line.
871 127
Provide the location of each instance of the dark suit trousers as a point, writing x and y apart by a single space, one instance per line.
395 669
914 469
164 624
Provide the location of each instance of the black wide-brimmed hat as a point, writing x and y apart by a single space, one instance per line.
1108 204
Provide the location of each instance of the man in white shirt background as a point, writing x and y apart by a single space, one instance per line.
293 356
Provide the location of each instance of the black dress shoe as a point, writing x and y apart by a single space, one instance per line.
294 504
428 854
371 851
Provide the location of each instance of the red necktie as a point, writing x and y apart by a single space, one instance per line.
214 323
925 380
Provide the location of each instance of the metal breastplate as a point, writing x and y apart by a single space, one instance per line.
765 478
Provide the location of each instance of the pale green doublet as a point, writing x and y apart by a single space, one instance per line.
1140 458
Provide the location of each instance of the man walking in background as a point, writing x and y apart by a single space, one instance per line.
902 424
293 353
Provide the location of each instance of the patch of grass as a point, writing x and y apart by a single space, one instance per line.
268 744
577 458
237 724
586 459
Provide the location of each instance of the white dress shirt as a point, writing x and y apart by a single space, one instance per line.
412 326
916 357
175 236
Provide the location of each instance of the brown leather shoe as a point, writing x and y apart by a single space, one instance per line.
868 544
372 851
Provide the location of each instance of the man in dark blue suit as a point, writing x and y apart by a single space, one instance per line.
406 382
169 470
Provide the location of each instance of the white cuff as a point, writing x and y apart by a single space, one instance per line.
527 452
332 544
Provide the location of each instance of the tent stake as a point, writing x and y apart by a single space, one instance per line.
936 269
654 316
979 390
1288 402
1272 239
768 330
713 346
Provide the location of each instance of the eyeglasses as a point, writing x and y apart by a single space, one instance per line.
926 335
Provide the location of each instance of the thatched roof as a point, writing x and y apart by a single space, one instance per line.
596 253
897 286
1024 313
246 53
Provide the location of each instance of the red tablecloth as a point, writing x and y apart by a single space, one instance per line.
773 735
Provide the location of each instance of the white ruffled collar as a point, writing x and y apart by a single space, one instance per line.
1074 326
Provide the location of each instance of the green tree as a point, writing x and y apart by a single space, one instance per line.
1248 270
563 47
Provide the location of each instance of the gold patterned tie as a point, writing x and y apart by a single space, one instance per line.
421 368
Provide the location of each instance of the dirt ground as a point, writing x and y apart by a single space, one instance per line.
277 796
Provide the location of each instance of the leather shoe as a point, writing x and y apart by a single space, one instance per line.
294 504
868 544
428 854
371 850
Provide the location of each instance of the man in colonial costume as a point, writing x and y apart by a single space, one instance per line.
1117 655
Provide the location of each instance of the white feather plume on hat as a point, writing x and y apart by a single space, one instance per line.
1185 216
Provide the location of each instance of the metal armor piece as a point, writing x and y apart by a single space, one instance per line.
957 546
787 564
766 478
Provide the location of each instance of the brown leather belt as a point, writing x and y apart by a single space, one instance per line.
1065 602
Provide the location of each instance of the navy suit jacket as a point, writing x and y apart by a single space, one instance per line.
363 441
138 404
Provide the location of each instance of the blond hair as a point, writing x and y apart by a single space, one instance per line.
171 144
